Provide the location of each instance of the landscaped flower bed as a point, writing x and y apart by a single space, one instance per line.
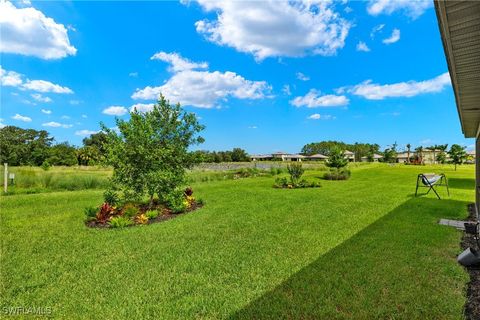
131 213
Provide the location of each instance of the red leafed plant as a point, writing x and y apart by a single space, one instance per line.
105 212
188 191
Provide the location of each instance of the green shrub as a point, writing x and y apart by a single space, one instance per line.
45 165
120 222
175 201
130 211
200 202
281 183
90 212
152 214
110 197
296 171
337 174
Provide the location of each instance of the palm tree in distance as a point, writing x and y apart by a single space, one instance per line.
408 152
419 151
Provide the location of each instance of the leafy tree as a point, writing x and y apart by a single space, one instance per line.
88 155
150 154
409 146
419 152
62 154
457 154
239 155
442 156
323 147
390 154
336 159
23 146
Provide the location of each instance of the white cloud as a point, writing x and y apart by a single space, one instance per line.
40 98
85 132
115 111
376 29
286 90
142 107
275 28
84 116
412 8
314 99
373 91
204 89
21 118
301 76
2 125
362 46
27 31
65 117
46 111
178 63
393 38
252 127
317 116
75 102
133 74
14 79
10 78
45 86
54 124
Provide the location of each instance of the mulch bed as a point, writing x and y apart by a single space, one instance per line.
167 214
472 306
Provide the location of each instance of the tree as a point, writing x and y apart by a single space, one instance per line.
62 154
442 156
323 147
336 159
434 148
88 155
457 154
408 152
23 146
419 151
390 154
239 155
149 154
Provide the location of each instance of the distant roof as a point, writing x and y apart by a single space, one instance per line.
318 156
294 156
348 152
375 156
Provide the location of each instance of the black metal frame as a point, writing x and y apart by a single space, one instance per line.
422 181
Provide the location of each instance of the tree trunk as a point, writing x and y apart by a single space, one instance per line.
150 205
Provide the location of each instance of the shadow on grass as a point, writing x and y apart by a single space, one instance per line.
401 266
461 183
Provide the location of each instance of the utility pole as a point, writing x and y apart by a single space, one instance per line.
5 177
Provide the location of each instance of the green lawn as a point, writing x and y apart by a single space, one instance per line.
363 248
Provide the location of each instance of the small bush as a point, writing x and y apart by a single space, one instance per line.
141 219
45 165
337 174
152 214
47 181
175 201
281 182
284 183
296 171
130 211
201 202
120 222
90 212
110 197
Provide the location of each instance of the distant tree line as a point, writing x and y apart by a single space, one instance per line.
235 155
29 147
327 147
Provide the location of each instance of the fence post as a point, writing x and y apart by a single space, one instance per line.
5 177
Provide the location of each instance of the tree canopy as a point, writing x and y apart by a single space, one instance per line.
149 154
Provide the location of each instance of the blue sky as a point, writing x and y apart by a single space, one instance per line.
264 76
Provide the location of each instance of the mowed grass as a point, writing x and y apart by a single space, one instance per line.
360 249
